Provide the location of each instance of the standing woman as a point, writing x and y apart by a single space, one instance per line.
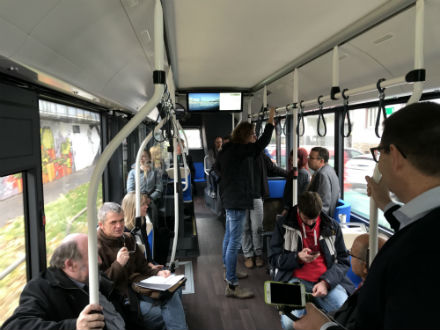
141 229
235 163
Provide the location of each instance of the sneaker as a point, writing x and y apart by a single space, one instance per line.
240 275
238 292
249 262
259 262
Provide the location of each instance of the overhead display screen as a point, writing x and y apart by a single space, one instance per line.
211 101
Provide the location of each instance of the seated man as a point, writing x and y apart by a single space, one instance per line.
307 246
58 298
122 261
346 314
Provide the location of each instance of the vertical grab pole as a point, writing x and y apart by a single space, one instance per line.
335 76
418 50
265 97
294 135
373 242
176 197
159 87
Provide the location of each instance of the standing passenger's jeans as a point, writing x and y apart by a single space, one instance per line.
252 241
170 314
232 242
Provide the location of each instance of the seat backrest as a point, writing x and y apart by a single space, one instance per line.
200 173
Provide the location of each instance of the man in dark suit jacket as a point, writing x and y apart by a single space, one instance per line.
324 181
400 290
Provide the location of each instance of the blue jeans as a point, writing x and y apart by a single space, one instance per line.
331 302
160 316
232 241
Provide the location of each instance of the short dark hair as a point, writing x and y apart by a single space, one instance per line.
67 250
322 152
310 204
415 130
242 132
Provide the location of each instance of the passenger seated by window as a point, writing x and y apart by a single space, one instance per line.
303 179
359 252
212 157
139 230
124 263
58 298
307 246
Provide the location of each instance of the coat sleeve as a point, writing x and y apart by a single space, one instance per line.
279 257
158 186
130 181
34 311
272 169
335 274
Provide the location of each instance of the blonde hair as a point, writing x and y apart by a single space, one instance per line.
129 207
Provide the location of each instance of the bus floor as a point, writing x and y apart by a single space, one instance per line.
208 308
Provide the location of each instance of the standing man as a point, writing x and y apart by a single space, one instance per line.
324 181
252 240
397 293
236 165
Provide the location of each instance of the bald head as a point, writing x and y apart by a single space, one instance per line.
359 252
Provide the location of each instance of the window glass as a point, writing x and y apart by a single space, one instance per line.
358 161
70 147
311 138
12 246
194 138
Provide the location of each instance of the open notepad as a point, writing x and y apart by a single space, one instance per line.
161 283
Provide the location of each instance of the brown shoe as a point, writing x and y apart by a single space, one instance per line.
249 262
259 262
240 275
238 292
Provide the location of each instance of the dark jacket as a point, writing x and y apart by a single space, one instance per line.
400 290
285 247
235 163
267 168
53 301
326 183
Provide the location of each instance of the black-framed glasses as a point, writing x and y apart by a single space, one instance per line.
313 158
125 245
353 256
375 152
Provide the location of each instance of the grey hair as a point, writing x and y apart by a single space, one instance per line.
106 208
67 250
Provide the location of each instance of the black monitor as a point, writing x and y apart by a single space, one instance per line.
214 101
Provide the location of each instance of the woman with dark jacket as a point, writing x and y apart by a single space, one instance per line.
236 165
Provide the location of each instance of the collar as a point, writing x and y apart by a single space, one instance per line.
418 207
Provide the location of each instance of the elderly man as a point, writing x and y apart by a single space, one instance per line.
398 293
58 298
123 262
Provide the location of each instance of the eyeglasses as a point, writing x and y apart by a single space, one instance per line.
313 158
375 152
353 256
125 245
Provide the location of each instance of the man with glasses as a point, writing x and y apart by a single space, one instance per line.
123 263
307 246
324 181
401 290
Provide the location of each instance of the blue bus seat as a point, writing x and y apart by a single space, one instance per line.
353 277
342 209
187 194
276 187
200 172
150 236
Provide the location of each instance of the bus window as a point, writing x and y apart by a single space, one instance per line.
283 144
311 138
70 145
194 138
358 161
12 247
